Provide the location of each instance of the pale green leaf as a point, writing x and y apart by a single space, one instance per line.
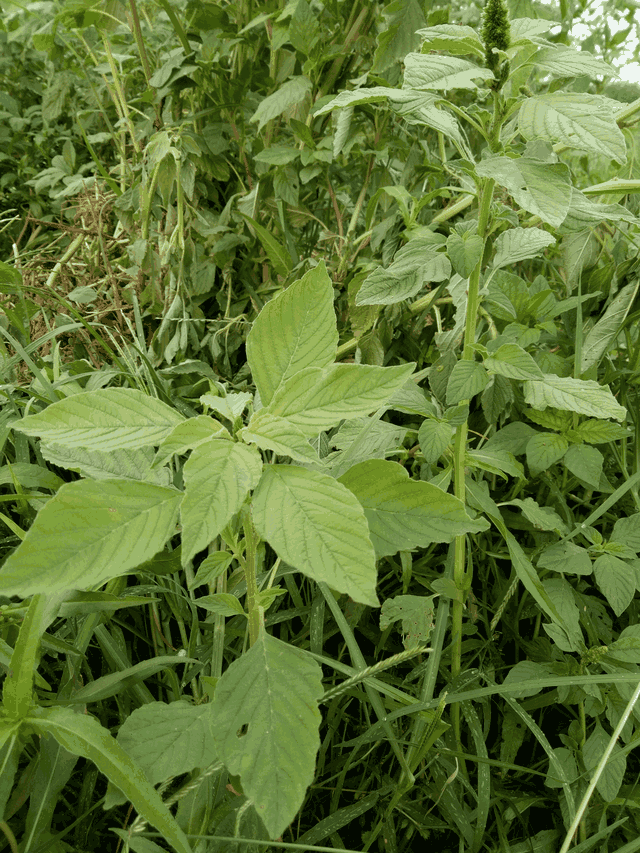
454 38
428 71
467 379
434 437
496 461
295 330
90 532
544 450
626 530
189 434
543 189
402 513
116 682
586 397
271 432
109 419
600 432
315 400
288 95
315 524
563 61
603 334
524 30
128 463
585 463
512 361
222 604
465 251
416 614
83 735
415 264
355 97
542 517
512 437
580 121
612 776
17 692
276 252
518 244
218 476
616 580
584 212
566 557
273 689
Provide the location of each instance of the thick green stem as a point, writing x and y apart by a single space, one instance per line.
460 578
256 613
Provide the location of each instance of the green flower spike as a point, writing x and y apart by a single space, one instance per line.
495 31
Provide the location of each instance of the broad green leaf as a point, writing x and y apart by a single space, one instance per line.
230 407
585 462
188 435
428 71
566 557
563 61
217 476
295 330
415 264
600 432
550 419
315 400
10 278
465 252
561 593
467 379
518 244
603 334
128 463
404 513
416 614
276 252
434 437
315 524
544 450
222 604
495 461
616 186
543 189
512 437
626 530
570 770
496 397
17 690
116 682
453 38
584 212
290 93
274 690
355 97
166 740
83 735
90 532
523 30
271 432
411 400
109 419
210 568
422 108
526 670
612 776
514 362
542 517
398 35
586 397
579 121
277 155
616 580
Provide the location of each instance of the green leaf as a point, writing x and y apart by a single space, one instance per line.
274 690
604 332
315 400
17 691
434 437
425 71
496 397
499 462
566 557
585 463
90 532
542 517
210 568
579 121
109 419
465 252
83 735
315 524
288 95
514 362
276 252
271 432
512 437
217 476
188 435
585 397
544 450
543 189
612 776
415 264
402 513
166 740
626 530
128 463
116 682
563 61
616 580
295 330
518 244
416 614
467 379
10 278
222 604
453 38
600 432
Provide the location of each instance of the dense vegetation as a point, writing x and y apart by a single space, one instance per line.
320 426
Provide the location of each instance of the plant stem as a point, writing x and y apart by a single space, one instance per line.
256 613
